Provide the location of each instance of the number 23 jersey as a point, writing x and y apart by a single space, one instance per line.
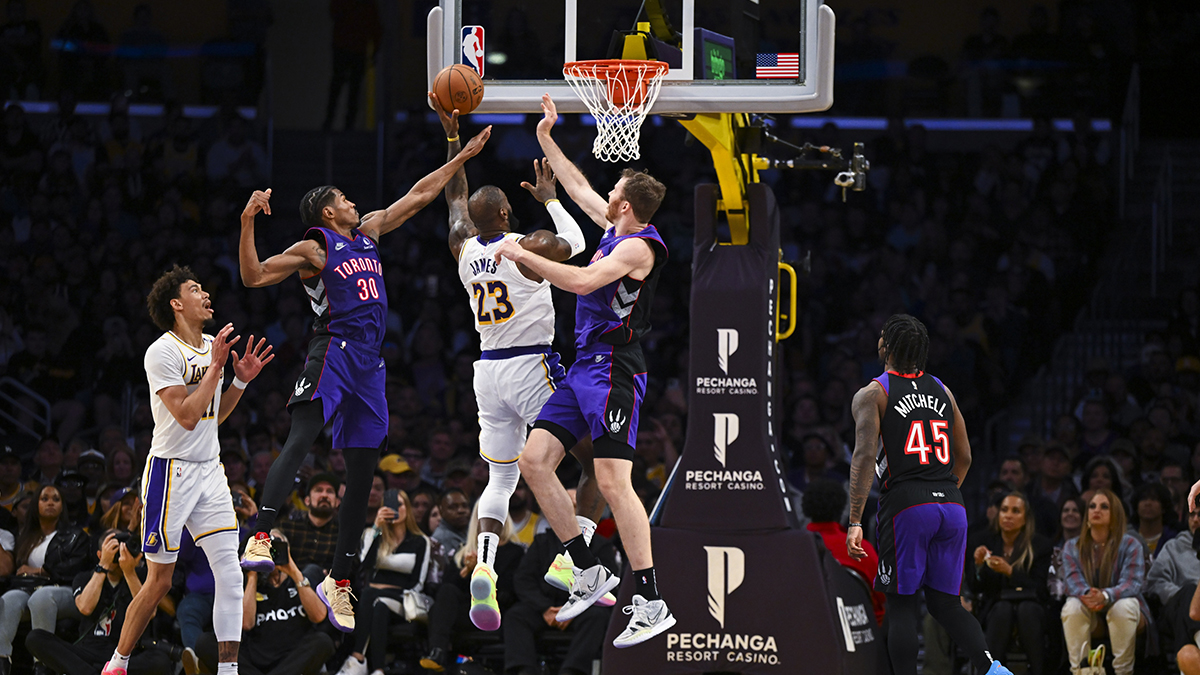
917 430
510 309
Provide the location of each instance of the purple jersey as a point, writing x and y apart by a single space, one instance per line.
348 295
619 313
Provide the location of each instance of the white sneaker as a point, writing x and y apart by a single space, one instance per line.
353 666
340 602
588 586
650 617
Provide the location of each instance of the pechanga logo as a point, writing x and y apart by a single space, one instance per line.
726 570
727 344
616 420
725 432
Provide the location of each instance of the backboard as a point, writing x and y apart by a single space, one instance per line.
762 56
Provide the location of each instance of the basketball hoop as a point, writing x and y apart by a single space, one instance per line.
619 93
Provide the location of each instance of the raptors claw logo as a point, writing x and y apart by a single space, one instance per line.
885 574
301 386
616 420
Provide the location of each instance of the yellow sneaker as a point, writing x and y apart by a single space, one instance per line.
562 573
485 613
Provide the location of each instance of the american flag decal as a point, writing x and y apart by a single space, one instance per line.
777 66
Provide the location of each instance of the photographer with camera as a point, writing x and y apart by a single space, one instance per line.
102 596
280 613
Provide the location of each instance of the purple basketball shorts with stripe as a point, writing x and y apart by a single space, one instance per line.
921 538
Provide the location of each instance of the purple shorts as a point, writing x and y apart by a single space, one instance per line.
600 399
349 381
921 538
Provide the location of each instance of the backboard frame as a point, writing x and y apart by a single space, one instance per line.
680 93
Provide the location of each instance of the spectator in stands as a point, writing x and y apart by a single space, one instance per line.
1175 567
537 604
48 460
815 460
455 513
101 596
1125 455
11 485
395 558
70 485
1151 504
400 474
124 512
1105 573
235 465
423 502
1172 477
441 451
92 465
520 511
375 499
450 613
1011 566
459 476
122 466
1102 473
236 158
823 504
280 615
312 536
1097 436
50 552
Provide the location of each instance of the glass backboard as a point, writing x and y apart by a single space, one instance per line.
763 56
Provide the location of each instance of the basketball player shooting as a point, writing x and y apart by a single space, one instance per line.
184 483
922 532
603 391
343 378
518 370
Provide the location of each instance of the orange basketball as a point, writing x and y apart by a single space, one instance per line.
458 86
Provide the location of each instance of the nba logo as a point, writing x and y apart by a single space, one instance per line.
472 47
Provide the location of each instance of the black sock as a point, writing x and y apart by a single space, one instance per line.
360 471
963 628
307 421
581 555
645 584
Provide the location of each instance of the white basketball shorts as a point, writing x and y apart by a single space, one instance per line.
511 386
178 493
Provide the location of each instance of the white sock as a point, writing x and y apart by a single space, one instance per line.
487 543
229 668
118 661
587 527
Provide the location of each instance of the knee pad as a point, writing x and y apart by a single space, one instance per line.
502 482
221 551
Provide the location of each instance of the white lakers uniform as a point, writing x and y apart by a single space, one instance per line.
184 483
517 371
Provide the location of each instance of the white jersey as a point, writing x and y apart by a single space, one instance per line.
170 362
510 309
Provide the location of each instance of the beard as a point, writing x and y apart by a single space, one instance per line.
610 212
514 223
322 509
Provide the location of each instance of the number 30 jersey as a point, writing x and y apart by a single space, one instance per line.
916 429
510 309
348 296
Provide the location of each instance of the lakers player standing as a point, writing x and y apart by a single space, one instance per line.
517 370
183 483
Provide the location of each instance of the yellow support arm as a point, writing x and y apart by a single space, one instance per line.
718 132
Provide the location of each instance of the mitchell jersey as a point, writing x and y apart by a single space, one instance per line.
171 362
511 310
916 430
348 295
619 313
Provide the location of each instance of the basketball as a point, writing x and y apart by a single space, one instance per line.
458 86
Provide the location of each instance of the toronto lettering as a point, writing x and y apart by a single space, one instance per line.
355 265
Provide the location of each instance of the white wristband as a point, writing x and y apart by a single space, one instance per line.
238 383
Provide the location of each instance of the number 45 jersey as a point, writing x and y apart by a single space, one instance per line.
510 309
916 430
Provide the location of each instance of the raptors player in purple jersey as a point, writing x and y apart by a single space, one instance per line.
343 378
603 391
922 528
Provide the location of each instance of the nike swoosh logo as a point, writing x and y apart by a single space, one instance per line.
191 357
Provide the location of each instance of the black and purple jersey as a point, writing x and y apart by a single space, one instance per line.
916 429
348 296
619 313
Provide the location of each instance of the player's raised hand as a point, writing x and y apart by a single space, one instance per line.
544 190
450 121
222 345
509 249
854 543
550 115
476 144
259 201
250 364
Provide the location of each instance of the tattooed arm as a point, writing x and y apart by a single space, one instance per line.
866 408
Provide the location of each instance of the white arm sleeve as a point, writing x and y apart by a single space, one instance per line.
568 229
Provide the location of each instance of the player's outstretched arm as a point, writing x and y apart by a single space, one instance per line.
378 223
305 256
461 227
862 474
630 257
245 369
572 178
189 409
962 443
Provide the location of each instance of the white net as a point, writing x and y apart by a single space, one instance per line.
619 94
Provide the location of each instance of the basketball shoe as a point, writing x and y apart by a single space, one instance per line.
337 597
587 587
562 573
257 557
650 617
485 613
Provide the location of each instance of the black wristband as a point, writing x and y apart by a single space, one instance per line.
100 569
